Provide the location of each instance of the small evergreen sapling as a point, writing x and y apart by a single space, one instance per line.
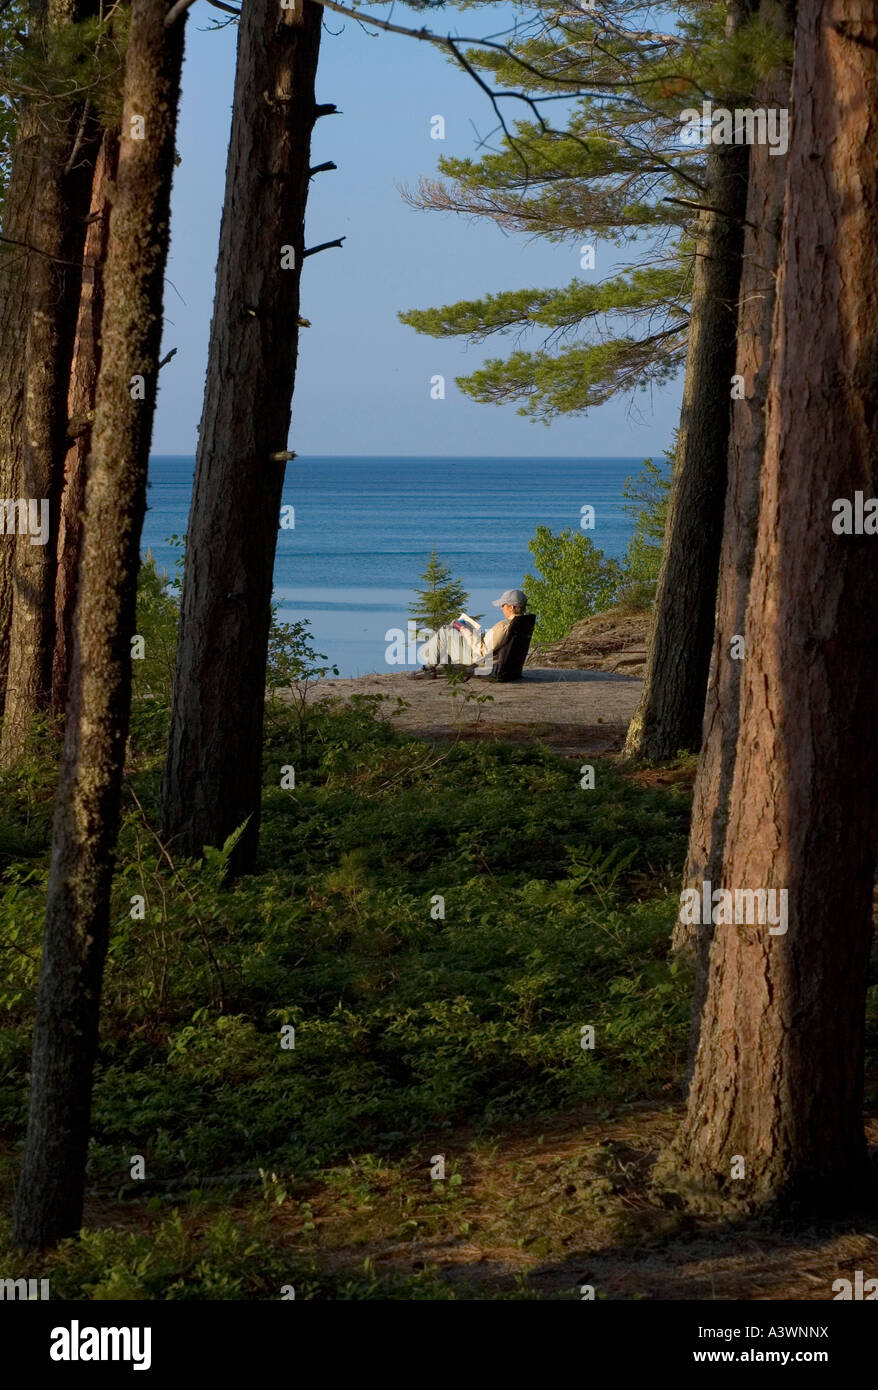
442 599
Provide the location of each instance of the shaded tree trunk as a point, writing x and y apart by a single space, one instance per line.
65 153
50 1190
14 261
765 200
213 773
778 1074
80 414
671 708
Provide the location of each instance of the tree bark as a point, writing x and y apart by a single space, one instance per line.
669 715
80 415
765 201
65 152
14 261
778 1074
50 1190
213 773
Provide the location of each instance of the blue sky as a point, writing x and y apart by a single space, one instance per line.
363 382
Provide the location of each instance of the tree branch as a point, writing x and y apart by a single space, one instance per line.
324 246
446 41
177 9
709 207
26 245
450 45
80 133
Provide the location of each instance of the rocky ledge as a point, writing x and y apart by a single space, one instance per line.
614 640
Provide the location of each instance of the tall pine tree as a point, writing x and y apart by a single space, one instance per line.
775 1103
213 772
51 1184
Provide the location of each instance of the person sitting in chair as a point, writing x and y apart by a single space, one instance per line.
463 643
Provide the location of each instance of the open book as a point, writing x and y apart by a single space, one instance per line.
465 618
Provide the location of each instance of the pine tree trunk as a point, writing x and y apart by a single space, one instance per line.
14 261
50 1189
65 153
671 708
765 200
778 1074
213 778
80 413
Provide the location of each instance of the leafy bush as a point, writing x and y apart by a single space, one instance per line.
576 580
152 675
647 503
292 658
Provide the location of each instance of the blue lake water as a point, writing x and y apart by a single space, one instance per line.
364 529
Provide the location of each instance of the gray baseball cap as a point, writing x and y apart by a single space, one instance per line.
513 596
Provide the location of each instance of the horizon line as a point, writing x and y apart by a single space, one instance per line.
433 456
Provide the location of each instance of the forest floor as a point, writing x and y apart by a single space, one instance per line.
435 919
538 1211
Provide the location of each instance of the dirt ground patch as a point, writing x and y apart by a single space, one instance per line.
572 711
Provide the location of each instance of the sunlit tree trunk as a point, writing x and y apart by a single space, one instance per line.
746 449
778 1075
80 414
50 1189
64 151
671 708
18 211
